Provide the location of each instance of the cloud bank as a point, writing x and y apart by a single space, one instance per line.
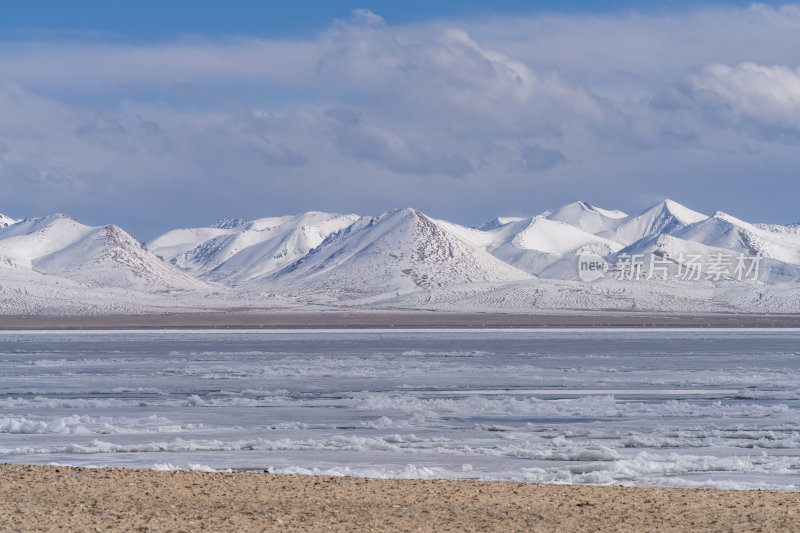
465 119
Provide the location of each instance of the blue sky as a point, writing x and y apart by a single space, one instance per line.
161 114
158 20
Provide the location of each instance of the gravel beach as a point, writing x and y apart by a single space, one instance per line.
52 498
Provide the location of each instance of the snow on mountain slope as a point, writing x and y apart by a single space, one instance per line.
498 222
476 237
286 244
111 257
683 255
59 245
539 296
725 231
229 223
176 242
239 252
498 241
402 250
557 238
33 238
664 217
399 260
587 217
776 228
6 221
532 244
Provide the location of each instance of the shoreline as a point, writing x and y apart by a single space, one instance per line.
392 319
36 498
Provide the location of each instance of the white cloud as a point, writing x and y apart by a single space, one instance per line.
388 149
768 96
449 73
369 115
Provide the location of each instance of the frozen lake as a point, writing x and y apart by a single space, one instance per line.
715 408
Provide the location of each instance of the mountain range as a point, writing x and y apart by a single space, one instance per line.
405 259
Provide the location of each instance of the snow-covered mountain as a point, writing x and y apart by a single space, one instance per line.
587 217
665 217
535 243
498 222
6 221
104 256
538 243
402 259
724 231
235 251
403 250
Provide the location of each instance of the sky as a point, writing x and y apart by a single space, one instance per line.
156 115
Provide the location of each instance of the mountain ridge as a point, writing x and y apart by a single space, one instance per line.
400 259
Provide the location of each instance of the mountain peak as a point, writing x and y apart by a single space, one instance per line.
228 223
587 217
402 216
732 220
610 213
238 252
402 258
400 250
666 216
554 237
57 226
682 213
6 221
403 212
500 222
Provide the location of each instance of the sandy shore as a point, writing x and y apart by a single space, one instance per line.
80 499
394 319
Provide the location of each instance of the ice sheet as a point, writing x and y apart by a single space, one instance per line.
717 408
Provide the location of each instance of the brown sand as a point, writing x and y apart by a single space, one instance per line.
395 319
80 499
